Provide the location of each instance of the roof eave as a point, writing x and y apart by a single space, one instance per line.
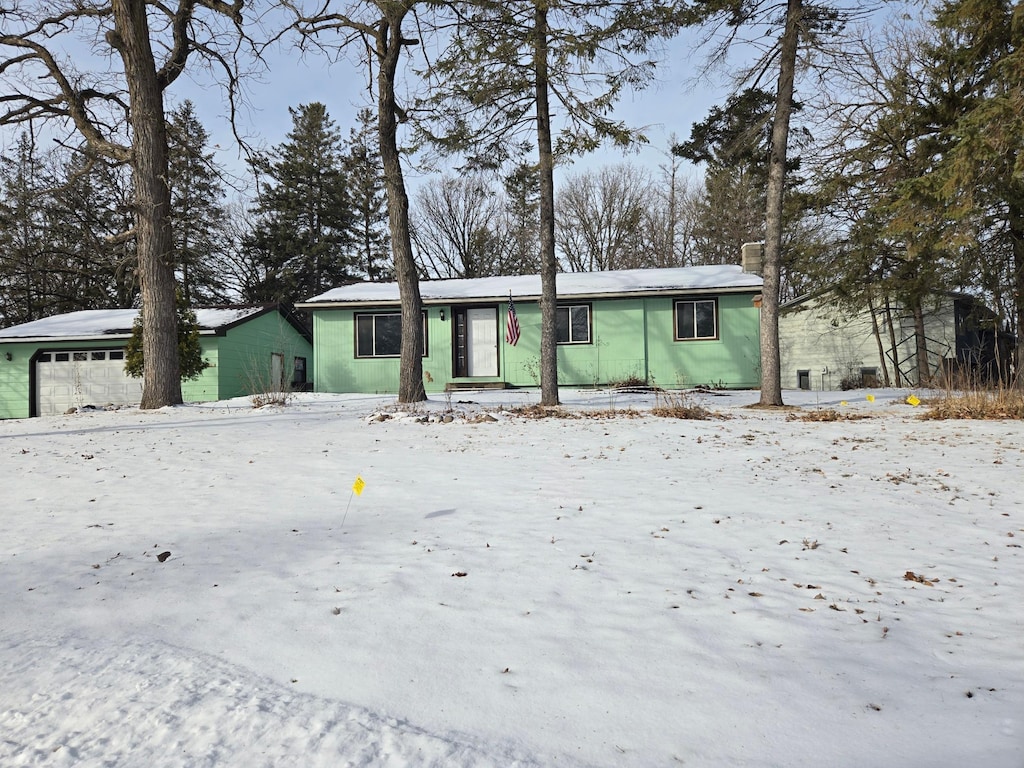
119 336
590 296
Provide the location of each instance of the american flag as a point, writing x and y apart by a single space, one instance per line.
512 326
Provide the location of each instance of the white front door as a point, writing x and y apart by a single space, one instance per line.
482 342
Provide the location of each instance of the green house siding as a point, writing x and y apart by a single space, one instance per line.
243 355
204 388
240 362
630 338
731 361
15 382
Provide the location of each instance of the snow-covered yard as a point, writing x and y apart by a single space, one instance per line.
756 590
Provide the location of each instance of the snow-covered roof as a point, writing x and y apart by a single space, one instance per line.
724 277
100 323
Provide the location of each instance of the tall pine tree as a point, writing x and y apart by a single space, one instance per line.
197 214
304 221
365 178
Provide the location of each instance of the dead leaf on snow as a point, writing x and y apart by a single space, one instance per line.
911 576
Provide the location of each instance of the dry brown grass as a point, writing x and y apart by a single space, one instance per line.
538 411
679 405
977 404
826 414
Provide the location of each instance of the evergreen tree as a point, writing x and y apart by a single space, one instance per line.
89 213
23 246
510 65
801 24
901 242
152 43
365 179
190 350
979 47
197 214
304 219
732 144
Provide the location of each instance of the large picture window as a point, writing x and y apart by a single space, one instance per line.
572 324
696 319
380 334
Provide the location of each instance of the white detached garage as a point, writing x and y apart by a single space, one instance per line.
68 361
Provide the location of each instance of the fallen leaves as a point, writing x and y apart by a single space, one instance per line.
911 576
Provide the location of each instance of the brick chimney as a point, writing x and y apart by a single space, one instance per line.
750 257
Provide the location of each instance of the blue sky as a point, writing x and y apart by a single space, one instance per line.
669 105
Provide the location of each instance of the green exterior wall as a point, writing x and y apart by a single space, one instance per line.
240 361
14 374
631 338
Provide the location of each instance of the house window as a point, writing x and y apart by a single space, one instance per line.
98 355
380 335
572 324
696 319
116 354
803 379
81 357
299 372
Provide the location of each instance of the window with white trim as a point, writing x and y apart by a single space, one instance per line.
696 319
380 334
572 324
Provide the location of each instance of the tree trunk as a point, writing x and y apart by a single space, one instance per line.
892 343
389 50
161 381
877 333
771 366
548 263
1016 220
924 371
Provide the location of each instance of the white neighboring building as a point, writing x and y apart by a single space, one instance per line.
827 346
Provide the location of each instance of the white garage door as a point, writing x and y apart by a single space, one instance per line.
74 379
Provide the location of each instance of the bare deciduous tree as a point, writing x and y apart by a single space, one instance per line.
119 112
454 228
600 219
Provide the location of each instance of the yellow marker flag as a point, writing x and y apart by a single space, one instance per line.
358 485
870 398
913 400
843 402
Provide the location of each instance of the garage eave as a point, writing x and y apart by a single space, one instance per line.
52 339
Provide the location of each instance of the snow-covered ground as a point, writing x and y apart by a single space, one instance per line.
756 590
